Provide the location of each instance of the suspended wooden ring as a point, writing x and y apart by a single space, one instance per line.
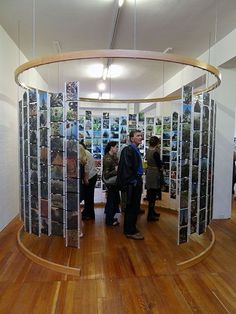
122 54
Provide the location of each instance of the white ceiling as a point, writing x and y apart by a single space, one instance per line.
189 27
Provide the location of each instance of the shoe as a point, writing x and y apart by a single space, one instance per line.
152 218
136 236
156 214
115 223
87 218
141 211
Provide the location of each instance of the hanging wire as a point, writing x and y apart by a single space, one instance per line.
33 30
163 79
216 29
135 24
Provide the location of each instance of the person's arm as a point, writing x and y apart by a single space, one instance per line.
109 170
157 159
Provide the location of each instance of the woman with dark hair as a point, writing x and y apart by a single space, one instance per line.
153 179
110 165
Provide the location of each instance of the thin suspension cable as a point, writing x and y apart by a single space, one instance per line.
135 23
33 29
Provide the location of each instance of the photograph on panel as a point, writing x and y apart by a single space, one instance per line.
44 207
33 123
43 137
57 158
42 100
123 120
72 185
57 187
72 90
33 137
57 144
187 95
56 100
44 189
97 124
32 95
72 201
71 130
72 111
56 114
88 115
57 200
33 109
57 172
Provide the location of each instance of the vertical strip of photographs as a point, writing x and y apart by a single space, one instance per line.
21 161
191 220
174 155
25 160
200 165
38 165
209 175
185 174
213 125
79 214
166 136
71 118
49 165
46 204
28 161
206 101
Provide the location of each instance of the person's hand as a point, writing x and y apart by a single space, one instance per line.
86 181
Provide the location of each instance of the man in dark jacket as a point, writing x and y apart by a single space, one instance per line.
129 178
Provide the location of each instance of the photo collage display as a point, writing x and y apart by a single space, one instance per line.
196 164
50 129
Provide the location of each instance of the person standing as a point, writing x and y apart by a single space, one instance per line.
129 179
89 186
110 165
153 182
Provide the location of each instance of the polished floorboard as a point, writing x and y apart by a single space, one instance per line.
120 275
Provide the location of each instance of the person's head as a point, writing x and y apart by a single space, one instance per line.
154 141
112 148
82 155
136 137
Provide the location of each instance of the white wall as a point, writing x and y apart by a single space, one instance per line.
9 168
9 165
225 96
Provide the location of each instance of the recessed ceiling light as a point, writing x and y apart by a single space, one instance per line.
115 70
120 3
95 70
101 86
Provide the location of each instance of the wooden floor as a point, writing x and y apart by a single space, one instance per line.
120 275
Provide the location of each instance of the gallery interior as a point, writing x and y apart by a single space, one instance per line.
94 71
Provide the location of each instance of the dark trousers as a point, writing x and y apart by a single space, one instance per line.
151 197
112 204
134 193
89 198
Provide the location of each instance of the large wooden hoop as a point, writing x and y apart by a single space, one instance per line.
122 54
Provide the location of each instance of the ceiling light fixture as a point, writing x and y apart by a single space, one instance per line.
120 3
101 86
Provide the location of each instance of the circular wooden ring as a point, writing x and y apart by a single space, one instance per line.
121 54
